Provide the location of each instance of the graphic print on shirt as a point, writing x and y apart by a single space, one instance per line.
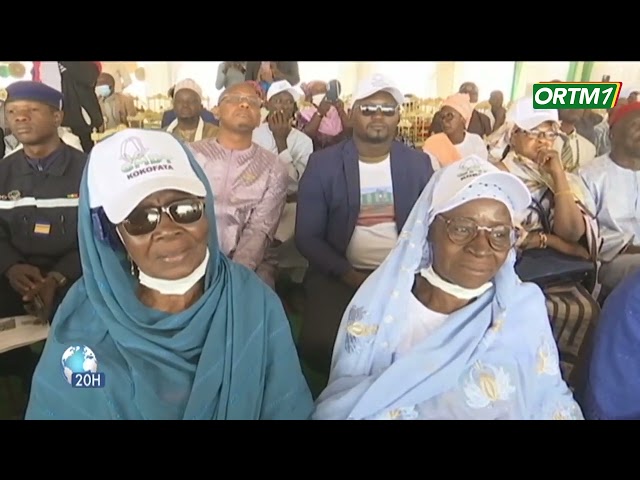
376 206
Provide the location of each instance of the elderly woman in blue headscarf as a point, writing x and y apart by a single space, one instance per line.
161 320
444 328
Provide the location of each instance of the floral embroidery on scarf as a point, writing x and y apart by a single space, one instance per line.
487 385
357 329
403 413
497 324
547 362
566 412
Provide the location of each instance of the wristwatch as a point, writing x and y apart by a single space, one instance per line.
60 279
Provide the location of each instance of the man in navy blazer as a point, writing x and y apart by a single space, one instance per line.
353 200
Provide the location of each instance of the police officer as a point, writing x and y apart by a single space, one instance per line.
39 188
39 185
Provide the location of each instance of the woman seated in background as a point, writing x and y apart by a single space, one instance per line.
559 220
179 331
454 142
326 122
444 328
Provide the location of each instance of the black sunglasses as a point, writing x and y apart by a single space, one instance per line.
371 110
143 221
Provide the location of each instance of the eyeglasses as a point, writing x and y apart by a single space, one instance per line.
386 110
546 134
462 231
145 220
254 102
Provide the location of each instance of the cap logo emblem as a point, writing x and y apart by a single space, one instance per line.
132 149
471 168
138 161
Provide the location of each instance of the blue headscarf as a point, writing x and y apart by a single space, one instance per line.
613 388
228 356
494 358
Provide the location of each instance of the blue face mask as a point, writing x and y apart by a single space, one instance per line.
103 90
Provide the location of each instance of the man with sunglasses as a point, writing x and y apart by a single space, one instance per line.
249 182
353 200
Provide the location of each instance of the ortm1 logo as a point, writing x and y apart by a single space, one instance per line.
575 95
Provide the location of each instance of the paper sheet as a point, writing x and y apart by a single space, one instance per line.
16 332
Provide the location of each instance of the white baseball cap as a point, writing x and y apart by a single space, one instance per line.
283 86
132 164
526 117
378 83
473 178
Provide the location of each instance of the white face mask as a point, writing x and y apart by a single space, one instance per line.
175 287
103 91
456 291
317 99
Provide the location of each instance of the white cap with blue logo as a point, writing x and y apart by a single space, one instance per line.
132 164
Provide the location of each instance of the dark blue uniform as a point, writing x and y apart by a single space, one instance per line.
38 208
39 218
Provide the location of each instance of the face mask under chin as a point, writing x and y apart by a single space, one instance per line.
103 91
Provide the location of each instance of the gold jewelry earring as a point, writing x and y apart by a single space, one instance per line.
133 266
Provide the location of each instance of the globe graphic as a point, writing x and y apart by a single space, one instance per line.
78 359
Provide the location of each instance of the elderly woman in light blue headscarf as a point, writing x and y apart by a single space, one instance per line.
161 321
444 328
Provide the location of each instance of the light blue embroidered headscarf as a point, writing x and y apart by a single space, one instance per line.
229 356
493 359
